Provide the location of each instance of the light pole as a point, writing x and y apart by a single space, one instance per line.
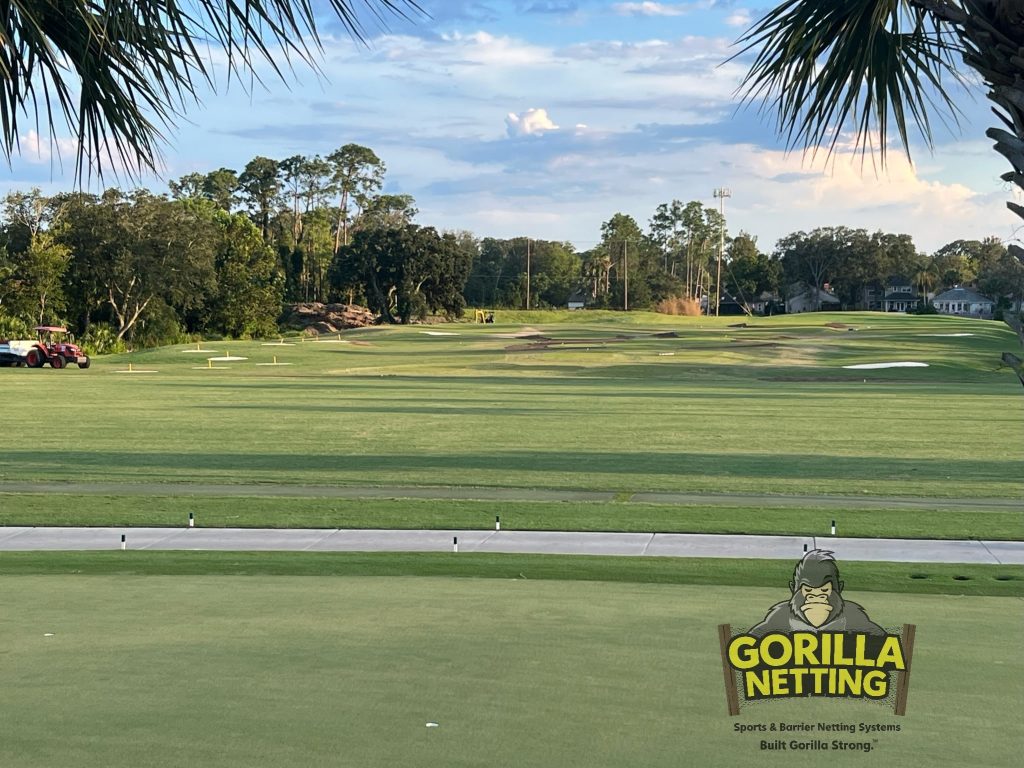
721 193
527 273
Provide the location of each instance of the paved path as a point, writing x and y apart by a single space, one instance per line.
507 494
540 542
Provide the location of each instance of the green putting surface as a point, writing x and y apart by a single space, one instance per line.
332 671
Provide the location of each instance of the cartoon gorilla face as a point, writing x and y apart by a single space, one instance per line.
816 605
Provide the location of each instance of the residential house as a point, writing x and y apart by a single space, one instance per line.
807 298
899 295
964 302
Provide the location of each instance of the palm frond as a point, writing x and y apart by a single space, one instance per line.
823 68
119 72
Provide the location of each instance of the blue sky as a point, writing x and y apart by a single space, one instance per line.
546 117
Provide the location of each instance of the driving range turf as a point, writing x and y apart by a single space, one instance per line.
333 671
253 659
594 402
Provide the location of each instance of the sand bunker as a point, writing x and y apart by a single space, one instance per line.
525 333
439 333
875 366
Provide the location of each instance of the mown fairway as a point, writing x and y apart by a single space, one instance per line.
302 671
608 407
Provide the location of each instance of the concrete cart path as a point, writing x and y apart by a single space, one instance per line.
539 542
259 490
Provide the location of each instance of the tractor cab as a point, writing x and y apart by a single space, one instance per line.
57 347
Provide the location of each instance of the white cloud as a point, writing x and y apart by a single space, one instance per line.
474 49
739 18
649 9
35 149
532 122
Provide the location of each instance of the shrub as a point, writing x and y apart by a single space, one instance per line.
15 328
102 340
679 305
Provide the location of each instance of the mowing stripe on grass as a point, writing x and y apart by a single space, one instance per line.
930 578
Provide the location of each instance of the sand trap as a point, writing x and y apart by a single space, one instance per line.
875 366
439 333
187 351
524 333
946 334
666 354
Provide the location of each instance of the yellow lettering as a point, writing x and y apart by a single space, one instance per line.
743 652
876 684
891 653
798 680
861 659
780 686
761 682
849 681
805 645
785 652
838 659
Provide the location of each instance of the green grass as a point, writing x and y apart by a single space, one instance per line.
312 671
914 578
286 512
761 410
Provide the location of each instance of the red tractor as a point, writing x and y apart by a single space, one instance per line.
51 349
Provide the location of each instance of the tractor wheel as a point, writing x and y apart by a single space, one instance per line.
58 362
86 364
34 359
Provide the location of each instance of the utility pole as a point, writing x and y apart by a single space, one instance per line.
625 260
527 273
721 193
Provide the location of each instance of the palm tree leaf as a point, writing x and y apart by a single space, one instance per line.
822 68
118 73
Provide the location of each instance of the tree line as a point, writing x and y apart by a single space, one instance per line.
223 251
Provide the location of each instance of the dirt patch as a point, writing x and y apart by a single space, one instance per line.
315 318
839 326
666 335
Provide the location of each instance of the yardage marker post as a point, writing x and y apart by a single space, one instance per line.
833 527
124 542
732 698
455 543
497 522
191 520
903 687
